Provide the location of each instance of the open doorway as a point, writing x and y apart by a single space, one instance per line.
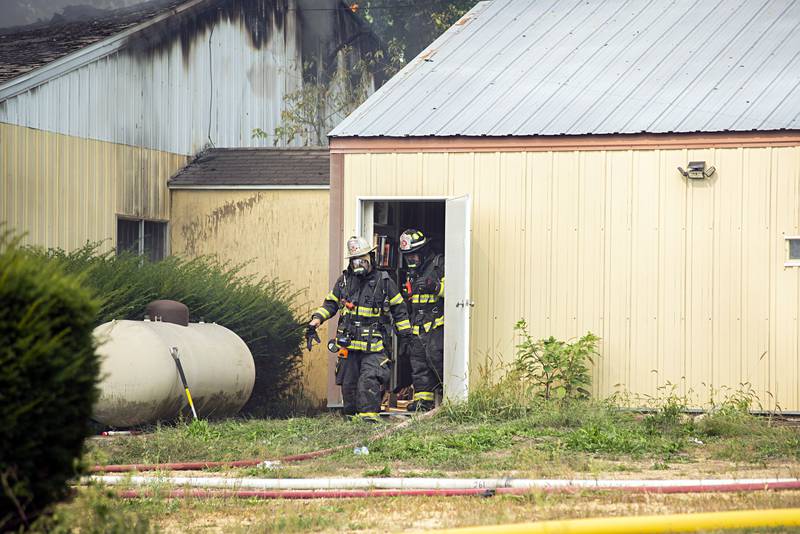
446 222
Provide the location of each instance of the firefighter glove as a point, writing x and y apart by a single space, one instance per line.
311 336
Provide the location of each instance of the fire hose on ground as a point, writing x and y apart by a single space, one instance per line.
325 487
219 487
348 488
649 524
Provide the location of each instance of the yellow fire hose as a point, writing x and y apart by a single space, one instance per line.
649 523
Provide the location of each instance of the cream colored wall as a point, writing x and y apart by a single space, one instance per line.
683 280
63 191
283 233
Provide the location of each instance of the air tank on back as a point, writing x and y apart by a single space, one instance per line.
139 378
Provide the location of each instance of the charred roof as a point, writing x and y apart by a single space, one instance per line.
26 48
237 167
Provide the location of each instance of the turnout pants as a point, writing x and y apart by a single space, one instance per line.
362 376
427 362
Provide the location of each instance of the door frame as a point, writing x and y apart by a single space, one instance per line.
361 228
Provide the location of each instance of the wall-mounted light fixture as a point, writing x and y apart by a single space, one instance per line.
697 170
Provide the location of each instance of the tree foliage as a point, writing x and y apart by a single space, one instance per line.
409 26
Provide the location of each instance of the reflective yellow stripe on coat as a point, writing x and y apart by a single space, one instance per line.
430 325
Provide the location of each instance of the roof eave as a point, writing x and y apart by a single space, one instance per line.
638 141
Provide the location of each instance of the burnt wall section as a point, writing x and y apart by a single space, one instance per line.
207 75
263 20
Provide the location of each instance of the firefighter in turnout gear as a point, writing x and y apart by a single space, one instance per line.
424 289
368 300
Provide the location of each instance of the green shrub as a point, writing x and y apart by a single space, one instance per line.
260 311
48 372
557 369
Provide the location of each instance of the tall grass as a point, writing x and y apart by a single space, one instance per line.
260 311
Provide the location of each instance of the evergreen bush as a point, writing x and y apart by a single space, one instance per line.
48 372
260 311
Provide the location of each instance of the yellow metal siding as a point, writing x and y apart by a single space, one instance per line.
63 191
282 233
684 280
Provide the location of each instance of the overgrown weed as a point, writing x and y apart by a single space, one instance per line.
555 369
669 412
232 439
94 510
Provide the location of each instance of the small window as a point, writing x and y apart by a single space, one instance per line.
145 238
793 246
155 240
127 236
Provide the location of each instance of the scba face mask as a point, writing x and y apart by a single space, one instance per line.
413 260
360 266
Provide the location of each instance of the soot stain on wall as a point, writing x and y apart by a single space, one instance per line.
323 33
259 17
198 232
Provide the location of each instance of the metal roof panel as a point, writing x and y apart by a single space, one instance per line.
572 67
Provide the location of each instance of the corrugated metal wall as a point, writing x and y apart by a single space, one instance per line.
166 102
64 190
283 232
684 281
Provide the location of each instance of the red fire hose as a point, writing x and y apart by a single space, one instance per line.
199 466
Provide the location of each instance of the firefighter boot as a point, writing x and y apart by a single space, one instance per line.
420 406
422 402
367 417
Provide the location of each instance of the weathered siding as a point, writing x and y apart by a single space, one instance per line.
178 98
283 233
683 280
63 190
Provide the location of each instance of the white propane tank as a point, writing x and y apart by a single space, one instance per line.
140 381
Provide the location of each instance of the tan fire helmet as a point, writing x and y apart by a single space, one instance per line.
357 246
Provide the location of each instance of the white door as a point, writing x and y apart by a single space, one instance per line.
365 219
457 303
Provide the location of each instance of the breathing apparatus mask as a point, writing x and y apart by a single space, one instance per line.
360 265
413 260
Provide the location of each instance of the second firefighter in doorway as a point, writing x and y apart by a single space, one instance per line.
366 299
424 289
